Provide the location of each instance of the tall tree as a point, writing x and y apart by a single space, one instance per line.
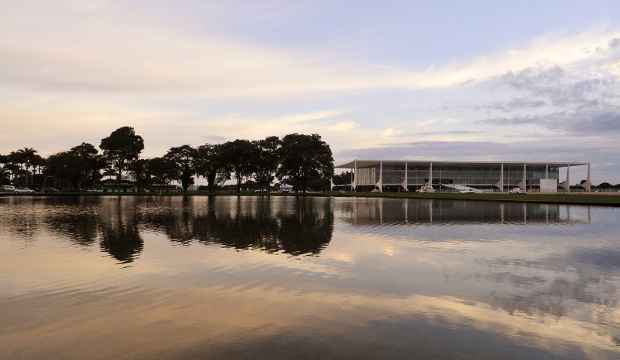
267 161
23 163
240 158
89 164
305 159
344 178
183 158
141 174
64 168
122 147
162 170
208 163
5 175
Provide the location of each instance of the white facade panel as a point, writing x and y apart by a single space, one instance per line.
548 185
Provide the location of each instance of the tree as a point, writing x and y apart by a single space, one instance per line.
120 148
240 158
21 164
89 164
208 163
183 159
5 175
305 158
64 167
267 161
141 174
343 179
162 170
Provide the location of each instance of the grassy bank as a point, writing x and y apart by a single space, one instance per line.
605 199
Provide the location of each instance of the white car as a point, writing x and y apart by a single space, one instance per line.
23 190
7 188
516 190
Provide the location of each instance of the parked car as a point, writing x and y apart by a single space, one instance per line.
23 190
7 188
516 190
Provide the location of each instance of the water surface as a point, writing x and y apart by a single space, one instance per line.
283 278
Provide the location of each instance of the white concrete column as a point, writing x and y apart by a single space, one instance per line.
406 182
501 178
568 178
355 176
381 176
430 175
546 171
524 177
588 181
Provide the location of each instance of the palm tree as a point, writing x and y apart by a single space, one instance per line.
25 159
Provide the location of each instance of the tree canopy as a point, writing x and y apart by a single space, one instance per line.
240 158
121 147
183 158
305 159
209 164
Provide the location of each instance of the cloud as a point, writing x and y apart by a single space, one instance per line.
597 123
67 64
518 103
562 87
103 47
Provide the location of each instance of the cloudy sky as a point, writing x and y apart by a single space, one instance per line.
460 80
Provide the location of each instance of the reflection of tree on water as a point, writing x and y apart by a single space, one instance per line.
305 229
18 216
80 228
120 235
294 226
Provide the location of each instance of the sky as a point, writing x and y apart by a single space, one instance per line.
436 80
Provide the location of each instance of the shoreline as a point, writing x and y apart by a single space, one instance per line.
599 199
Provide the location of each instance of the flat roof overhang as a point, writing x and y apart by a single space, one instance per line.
368 163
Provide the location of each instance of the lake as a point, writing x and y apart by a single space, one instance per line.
287 278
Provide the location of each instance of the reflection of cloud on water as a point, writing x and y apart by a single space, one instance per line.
291 265
242 316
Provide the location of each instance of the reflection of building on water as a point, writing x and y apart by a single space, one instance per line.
372 211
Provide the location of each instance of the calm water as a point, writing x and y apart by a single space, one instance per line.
281 278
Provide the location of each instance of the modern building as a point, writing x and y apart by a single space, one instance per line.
411 175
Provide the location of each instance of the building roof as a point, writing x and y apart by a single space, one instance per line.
366 163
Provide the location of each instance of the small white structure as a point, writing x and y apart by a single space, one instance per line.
548 185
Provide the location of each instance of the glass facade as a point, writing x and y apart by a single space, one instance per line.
481 175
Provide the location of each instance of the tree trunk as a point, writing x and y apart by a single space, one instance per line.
211 180
119 176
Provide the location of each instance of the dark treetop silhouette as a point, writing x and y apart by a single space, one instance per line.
302 161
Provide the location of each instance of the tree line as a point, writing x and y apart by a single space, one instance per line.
299 160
